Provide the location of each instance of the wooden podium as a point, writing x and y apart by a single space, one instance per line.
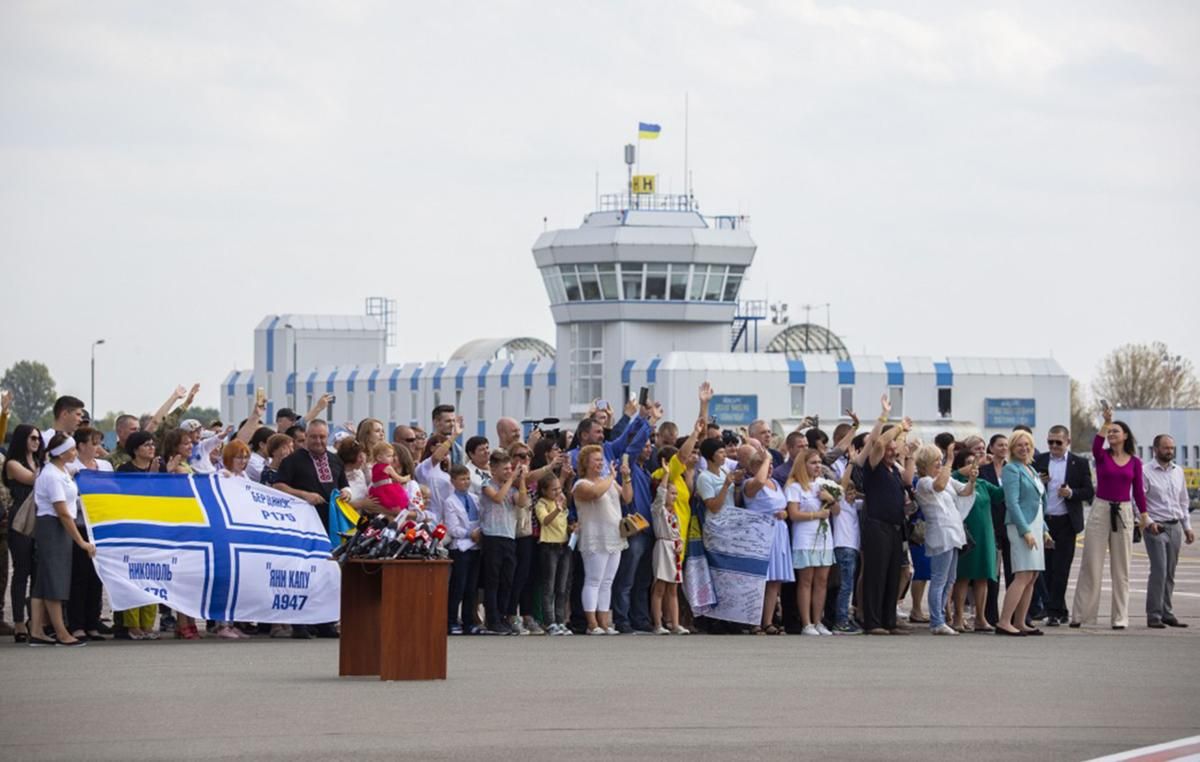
394 619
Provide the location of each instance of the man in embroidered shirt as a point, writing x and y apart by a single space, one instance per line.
478 452
1169 527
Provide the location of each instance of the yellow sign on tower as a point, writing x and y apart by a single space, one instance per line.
644 183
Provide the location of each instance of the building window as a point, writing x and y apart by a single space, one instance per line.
587 362
608 281
733 282
570 283
679 283
589 283
412 408
458 399
896 396
847 400
656 282
697 290
631 280
437 399
715 287
944 409
798 401
528 403
481 405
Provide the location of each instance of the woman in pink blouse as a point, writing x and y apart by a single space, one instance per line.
1110 525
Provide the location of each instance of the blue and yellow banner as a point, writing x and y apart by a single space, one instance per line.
213 547
647 131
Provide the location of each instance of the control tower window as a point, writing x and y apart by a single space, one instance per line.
716 283
631 280
733 283
589 283
608 281
697 291
656 282
679 281
571 283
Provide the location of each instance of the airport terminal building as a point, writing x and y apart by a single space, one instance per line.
645 292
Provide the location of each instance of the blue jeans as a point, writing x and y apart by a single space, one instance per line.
847 563
631 588
943 569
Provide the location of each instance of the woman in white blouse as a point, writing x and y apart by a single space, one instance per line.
598 503
55 494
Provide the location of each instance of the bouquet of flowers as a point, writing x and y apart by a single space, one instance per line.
835 491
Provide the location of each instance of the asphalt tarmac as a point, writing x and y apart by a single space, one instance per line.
1072 694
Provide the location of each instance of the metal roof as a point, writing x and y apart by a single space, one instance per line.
502 348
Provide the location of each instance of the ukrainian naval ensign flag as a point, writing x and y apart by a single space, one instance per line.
213 547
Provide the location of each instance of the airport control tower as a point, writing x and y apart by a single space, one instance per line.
644 275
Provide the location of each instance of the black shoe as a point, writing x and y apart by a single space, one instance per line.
1015 634
624 629
74 643
1156 625
103 629
1174 623
1075 625
96 637
1118 626
1054 621
1033 632
36 642
1035 616
301 632
326 631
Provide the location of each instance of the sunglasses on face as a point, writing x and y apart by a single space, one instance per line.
1055 441
521 456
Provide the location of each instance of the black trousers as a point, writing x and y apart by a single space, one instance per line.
464 583
882 550
499 566
523 577
1058 564
83 608
992 606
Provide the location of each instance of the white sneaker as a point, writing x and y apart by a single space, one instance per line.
611 631
518 628
597 631
552 629
823 630
681 631
809 630
944 629
565 630
660 630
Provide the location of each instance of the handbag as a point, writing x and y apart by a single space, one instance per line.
916 533
25 519
633 524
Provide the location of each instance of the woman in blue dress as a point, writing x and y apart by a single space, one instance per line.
765 495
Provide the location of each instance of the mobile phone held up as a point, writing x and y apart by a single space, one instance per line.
602 404
644 396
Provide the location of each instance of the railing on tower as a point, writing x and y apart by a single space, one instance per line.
749 313
665 202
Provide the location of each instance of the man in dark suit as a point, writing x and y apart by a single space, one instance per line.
1068 480
312 474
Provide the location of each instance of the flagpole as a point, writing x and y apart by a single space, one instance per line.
687 191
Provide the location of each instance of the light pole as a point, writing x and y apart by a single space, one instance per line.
95 344
295 380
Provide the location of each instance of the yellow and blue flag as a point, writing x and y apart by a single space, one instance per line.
342 517
211 546
647 131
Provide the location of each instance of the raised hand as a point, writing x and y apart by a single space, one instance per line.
6 399
631 407
706 392
906 424
853 416
180 393
885 405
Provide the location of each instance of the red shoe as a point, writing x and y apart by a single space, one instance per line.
188 632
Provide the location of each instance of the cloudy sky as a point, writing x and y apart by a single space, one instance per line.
1012 179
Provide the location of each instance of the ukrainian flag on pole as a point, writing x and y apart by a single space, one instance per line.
647 131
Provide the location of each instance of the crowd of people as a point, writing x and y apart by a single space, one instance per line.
559 533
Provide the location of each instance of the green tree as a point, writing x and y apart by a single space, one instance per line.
32 388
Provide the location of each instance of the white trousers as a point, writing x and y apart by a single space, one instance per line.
1098 537
599 570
